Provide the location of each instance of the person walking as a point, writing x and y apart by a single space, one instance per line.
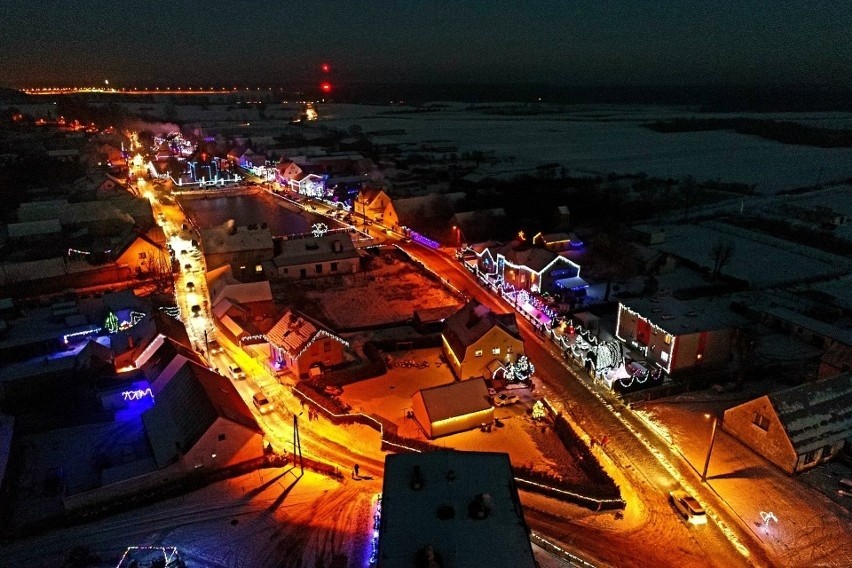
355 474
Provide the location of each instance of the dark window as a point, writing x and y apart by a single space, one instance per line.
327 345
221 437
334 267
761 421
318 268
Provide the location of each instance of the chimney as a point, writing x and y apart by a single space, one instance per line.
416 479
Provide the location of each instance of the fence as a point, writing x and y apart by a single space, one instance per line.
604 496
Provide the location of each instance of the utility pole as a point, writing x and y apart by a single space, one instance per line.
710 449
297 444
206 343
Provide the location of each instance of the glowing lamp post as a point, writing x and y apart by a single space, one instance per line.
710 449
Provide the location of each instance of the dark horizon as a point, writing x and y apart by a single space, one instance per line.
624 42
778 98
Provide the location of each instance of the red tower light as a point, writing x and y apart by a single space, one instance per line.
325 87
326 67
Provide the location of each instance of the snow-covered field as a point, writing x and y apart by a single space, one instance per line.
607 139
582 138
761 260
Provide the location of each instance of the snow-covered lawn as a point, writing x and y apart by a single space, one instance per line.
526 442
383 294
268 518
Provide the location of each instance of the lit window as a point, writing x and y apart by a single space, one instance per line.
668 339
495 351
478 353
258 268
761 421
664 355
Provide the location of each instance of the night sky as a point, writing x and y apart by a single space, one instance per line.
273 43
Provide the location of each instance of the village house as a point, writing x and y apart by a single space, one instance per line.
244 312
522 266
217 430
796 428
678 335
309 257
375 205
298 344
475 339
244 248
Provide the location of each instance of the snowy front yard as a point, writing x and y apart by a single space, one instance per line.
390 290
527 442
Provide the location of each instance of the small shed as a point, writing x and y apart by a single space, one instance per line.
456 407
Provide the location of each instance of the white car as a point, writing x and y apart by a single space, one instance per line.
504 399
688 507
236 372
262 403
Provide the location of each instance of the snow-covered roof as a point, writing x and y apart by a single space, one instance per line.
329 247
245 293
32 228
817 414
187 406
471 322
220 240
842 334
294 332
679 317
455 399
441 512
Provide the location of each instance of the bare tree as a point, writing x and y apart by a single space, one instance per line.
721 253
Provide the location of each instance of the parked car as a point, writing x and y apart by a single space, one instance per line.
214 347
688 507
236 372
504 399
262 403
333 390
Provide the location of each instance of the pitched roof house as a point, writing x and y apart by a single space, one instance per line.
376 205
200 420
329 254
796 428
299 343
474 337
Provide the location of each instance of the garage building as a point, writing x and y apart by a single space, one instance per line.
452 408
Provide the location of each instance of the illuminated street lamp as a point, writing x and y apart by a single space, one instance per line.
710 449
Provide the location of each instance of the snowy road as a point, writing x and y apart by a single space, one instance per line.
645 472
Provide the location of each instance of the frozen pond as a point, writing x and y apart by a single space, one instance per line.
251 209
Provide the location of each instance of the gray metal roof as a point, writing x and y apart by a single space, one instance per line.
452 480
817 414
